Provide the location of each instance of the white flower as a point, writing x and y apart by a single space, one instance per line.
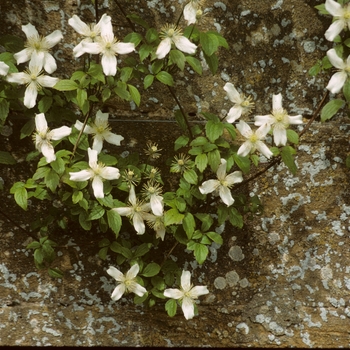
34 81
136 211
170 34
157 223
38 47
4 68
254 139
97 172
101 131
338 79
43 137
190 11
242 104
151 191
108 46
127 282
223 184
342 18
89 32
279 120
187 294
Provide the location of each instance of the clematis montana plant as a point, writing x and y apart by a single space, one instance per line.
144 201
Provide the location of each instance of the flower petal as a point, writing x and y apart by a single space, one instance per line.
173 293
49 63
262 148
277 102
187 308
232 93
30 95
109 173
244 129
114 139
279 136
245 149
23 56
221 172
337 81
190 13
18 78
109 64
48 151
163 48
4 68
118 292
41 123
185 45
79 26
138 223
124 211
197 291
296 119
209 186
234 178
186 280
97 186
92 157
93 48
263 119
123 48
82 175
46 81
334 8
234 113
335 60
98 143
29 30
116 274
54 38
334 29
60 133
133 271
225 195
137 289
157 205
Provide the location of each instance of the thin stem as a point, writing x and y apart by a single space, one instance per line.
125 15
167 256
181 110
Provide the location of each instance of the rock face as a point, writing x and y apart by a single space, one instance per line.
283 280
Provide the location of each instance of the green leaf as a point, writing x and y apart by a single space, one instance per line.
135 95
55 273
242 162
96 213
102 253
148 81
314 70
125 73
330 109
199 141
212 62
77 196
171 307
118 248
209 43
151 35
347 161
181 142
138 20
287 153
213 130
201 162
84 222
7 158
322 9
96 72
190 176
214 160
28 128
172 216
144 51
121 91
180 204
38 256
165 78
189 224
151 270
142 250
206 220
4 110
52 180
200 252
292 136
134 38
235 217
346 90
33 245
21 197
58 165
66 85
178 58
195 64
215 237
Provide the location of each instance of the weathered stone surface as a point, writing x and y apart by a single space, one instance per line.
283 280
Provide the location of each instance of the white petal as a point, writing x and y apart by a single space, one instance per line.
114 139
23 56
116 274
221 172
4 68
225 195
334 29
60 133
245 149
109 64
102 22
93 48
82 175
18 78
277 102
48 151
98 143
92 157
138 223
334 8
41 123
133 271
173 293
163 48
97 186
79 50
234 114
54 38
101 118
262 148
279 136
234 178
198 291
262 131
30 95
186 280
49 63
137 289
132 195
232 93
263 119
187 308
123 48
209 186
157 205
110 173
337 81
184 45
46 81
118 292
296 119
79 26
335 60
244 129
29 30
190 13
124 211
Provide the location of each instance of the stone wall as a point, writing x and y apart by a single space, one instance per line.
284 279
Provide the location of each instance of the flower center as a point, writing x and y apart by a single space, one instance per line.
347 12
37 43
253 138
281 117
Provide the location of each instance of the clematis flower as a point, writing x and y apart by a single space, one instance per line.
89 32
34 81
342 18
254 139
242 104
151 191
43 137
127 283
4 68
338 79
156 223
171 35
37 47
279 120
191 11
222 184
109 47
101 131
187 294
136 211
97 173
